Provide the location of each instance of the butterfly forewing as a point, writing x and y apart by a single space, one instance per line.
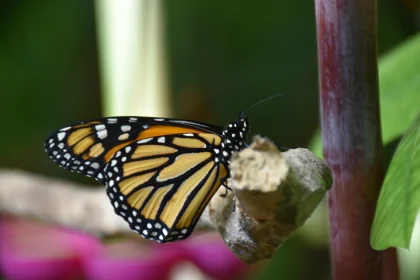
160 185
87 147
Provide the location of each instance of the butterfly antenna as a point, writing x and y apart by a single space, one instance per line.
259 102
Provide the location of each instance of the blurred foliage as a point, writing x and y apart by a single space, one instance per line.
399 201
298 260
399 80
49 76
223 56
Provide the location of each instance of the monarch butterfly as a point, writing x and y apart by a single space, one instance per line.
159 173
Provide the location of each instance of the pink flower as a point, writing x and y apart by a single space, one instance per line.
210 254
133 260
31 251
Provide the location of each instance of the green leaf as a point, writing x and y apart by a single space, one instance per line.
399 81
399 200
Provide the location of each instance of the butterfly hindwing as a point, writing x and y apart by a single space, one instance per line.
161 185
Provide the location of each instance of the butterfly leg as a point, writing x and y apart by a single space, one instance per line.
224 180
224 184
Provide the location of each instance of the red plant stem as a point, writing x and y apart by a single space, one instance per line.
351 133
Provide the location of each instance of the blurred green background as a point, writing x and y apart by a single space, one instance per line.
222 56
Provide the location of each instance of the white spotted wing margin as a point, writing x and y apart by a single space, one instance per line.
161 185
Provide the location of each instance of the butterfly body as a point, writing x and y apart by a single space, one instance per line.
159 173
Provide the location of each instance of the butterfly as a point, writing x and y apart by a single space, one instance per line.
160 173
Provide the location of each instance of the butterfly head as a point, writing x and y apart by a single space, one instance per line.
234 135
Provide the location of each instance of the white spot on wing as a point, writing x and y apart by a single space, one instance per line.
99 127
161 140
60 136
125 128
102 134
65 128
144 141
